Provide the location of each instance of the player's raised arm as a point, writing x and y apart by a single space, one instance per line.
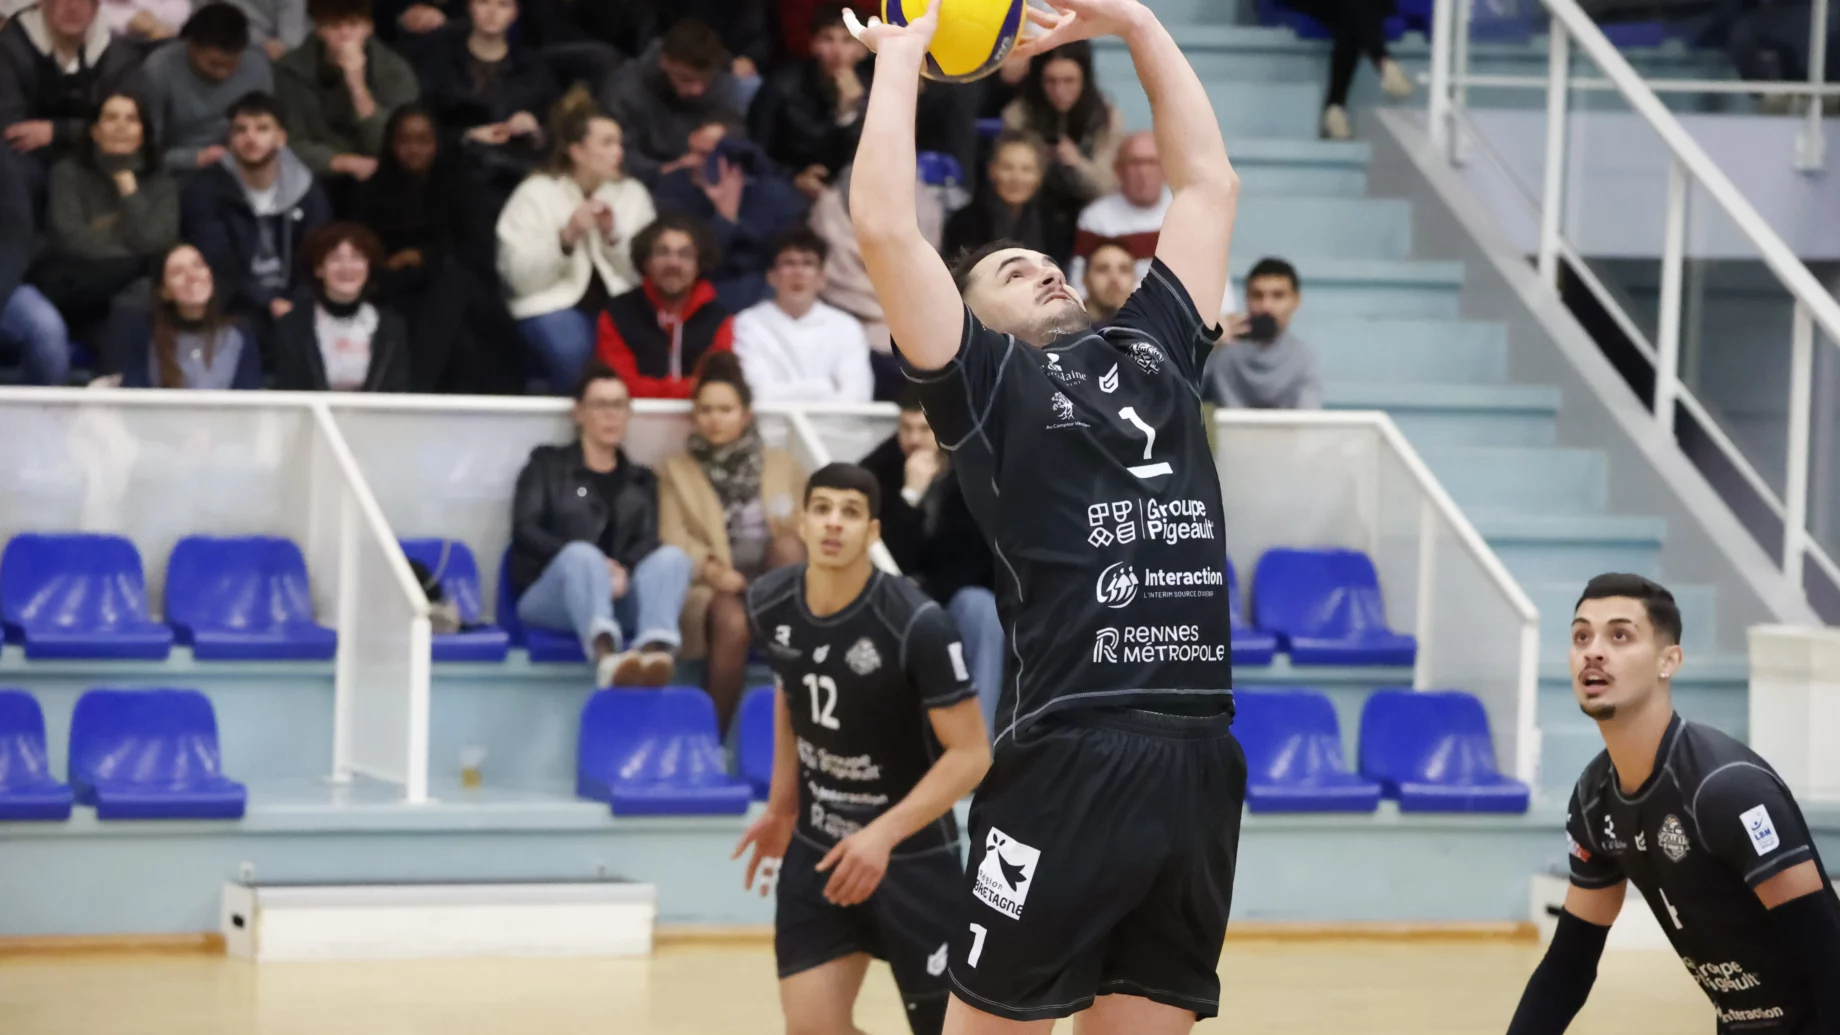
925 314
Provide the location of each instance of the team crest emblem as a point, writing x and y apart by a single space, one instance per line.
863 658
1149 357
823 651
1672 838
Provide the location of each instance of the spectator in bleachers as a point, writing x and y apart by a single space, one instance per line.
483 84
657 334
1010 205
808 116
731 503
796 18
340 342
337 92
57 64
565 238
249 213
276 26
189 89
1111 276
1265 366
186 340
1358 28
585 552
743 28
29 324
795 348
1132 214
584 41
1060 103
935 541
112 212
404 24
733 189
680 85
437 242
149 21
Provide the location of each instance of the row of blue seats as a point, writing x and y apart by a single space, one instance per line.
1320 607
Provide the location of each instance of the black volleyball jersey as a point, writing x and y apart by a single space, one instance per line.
1087 466
859 684
1711 823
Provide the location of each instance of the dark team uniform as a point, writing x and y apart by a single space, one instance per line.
1103 840
1711 823
859 684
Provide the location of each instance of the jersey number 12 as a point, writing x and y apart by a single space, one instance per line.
823 700
1145 470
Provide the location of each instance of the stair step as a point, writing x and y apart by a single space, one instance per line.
1245 107
1410 351
1562 548
1299 228
1273 166
1372 287
1440 415
1542 481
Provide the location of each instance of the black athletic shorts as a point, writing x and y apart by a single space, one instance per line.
906 922
1102 853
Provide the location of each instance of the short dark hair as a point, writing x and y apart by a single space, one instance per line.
802 239
1274 267
1663 612
219 26
968 259
1021 138
149 151
723 368
253 103
1109 242
827 16
694 43
326 240
332 12
848 478
592 371
911 400
647 239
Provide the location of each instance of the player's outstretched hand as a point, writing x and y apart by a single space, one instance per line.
860 860
1075 20
769 836
878 34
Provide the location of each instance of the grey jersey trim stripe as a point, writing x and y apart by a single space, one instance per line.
1776 863
1667 768
1104 693
977 427
951 846
1693 810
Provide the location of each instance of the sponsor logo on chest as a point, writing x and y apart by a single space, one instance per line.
1127 521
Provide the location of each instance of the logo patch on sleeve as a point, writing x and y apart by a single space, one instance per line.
1761 831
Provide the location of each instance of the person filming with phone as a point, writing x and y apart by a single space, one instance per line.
1262 365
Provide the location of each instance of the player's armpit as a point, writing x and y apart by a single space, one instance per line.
1598 906
1562 982
1805 917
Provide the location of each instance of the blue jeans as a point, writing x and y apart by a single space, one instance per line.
564 342
576 592
31 322
974 611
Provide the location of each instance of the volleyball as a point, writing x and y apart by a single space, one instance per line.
974 36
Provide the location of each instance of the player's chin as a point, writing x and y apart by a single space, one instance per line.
1062 316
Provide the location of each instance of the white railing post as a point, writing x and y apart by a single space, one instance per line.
1552 195
1811 142
421 660
1795 485
1667 337
345 661
1437 112
1427 582
1459 64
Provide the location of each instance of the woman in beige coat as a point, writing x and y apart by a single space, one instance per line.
731 503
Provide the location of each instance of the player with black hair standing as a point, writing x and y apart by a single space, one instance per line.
1700 824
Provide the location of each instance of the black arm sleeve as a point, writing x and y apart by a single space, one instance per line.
1563 980
1809 927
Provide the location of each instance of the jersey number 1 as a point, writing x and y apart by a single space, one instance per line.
1145 470
823 700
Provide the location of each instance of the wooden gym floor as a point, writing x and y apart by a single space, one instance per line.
1333 987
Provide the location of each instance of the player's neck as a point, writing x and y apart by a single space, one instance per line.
1634 738
830 590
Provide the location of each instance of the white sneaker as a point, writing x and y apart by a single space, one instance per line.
1335 124
1395 80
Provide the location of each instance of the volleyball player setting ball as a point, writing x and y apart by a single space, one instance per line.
1103 839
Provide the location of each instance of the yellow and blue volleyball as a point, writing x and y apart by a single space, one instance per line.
974 36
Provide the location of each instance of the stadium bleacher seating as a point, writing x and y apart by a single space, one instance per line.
656 753
1251 646
1294 758
543 645
754 743
453 565
78 595
27 790
939 169
1325 608
1431 751
244 598
150 754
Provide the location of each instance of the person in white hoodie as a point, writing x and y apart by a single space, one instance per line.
565 239
794 348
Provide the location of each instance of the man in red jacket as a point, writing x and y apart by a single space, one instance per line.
655 335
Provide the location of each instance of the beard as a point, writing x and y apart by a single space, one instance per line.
1066 317
1602 711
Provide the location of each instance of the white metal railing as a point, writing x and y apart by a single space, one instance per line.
1368 489
1449 127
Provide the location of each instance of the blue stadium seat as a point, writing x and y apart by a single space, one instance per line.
655 753
150 754
558 645
755 744
1294 757
1431 750
938 169
1325 608
78 595
27 790
1253 647
244 598
453 565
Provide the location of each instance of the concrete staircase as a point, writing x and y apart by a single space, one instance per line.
1390 334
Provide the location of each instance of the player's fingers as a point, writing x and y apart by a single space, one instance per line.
742 845
833 888
830 858
1042 16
